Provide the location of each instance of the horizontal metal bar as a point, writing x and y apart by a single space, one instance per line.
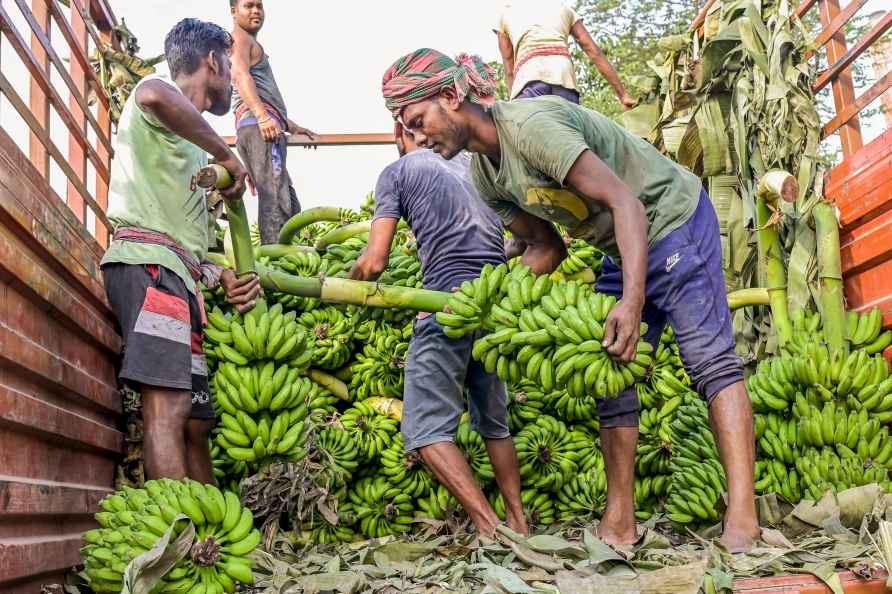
335 140
42 79
7 89
852 54
853 109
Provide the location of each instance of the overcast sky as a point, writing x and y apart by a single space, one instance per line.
328 58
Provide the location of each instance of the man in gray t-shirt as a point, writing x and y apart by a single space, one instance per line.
457 236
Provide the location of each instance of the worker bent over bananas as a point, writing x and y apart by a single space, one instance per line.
457 236
545 160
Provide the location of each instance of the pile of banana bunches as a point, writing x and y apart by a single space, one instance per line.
822 414
298 375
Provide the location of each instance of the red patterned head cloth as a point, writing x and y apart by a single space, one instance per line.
425 72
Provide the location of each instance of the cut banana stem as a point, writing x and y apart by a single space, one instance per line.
306 218
330 383
771 251
342 234
213 177
778 185
833 310
351 292
748 298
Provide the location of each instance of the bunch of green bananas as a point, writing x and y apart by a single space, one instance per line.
378 370
539 507
585 448
319 530
474 448
273 335
372 432
865 331
439 504
323 405
772 476
403 270
581 255
782 441
545 454
227 472
279 437
340 257
134 519
823 469
305 263
698 479
584 496
380 509
546 332
405 470
526 402
259 387
829 426
649 492
333 336
340 454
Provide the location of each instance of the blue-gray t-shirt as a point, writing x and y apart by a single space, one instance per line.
457 233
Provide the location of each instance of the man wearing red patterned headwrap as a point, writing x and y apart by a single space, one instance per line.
546 160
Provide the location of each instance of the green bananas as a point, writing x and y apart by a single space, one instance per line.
333 334
440 504
525 404
584 496
545 455
305 263
134 519
274 335
580 255
474 448
538 507
405 470
823 470
546 332
378 370
340 454
372 432
865 331
380 509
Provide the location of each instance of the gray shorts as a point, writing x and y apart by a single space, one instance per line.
437 371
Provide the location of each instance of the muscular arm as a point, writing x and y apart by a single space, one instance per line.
374 259
507 51
241 75
545 249
176 113
591 49
592 180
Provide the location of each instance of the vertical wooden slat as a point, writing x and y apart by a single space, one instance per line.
77 156
843 89
37 99
101 185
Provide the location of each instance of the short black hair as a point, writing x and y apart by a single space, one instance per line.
190 41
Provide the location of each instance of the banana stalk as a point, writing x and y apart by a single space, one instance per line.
833 311
217 177
306 218
277 250
773 186
351 292
342 234
748 298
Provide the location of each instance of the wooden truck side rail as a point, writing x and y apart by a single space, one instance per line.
60 413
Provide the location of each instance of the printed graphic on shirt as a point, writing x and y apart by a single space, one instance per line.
552 199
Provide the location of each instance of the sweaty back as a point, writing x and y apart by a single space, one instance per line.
533 25
457 234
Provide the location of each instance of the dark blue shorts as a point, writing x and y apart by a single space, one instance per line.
685 287
437 370
537 88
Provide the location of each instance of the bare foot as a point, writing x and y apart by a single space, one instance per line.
617 532
739 538
518 524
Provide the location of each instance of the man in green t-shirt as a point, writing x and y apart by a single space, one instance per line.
545 160
159 248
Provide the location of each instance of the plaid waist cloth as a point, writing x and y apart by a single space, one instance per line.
548 50
203 272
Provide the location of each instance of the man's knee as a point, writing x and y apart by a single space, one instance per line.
166 406
710 379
